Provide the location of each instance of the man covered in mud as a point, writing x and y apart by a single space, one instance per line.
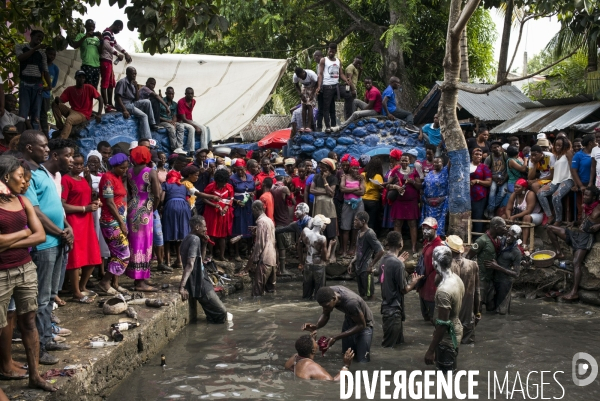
264 256
468 271
486 248
394 285
195 281
507 267
426 286
443 349
368 251
316 255
303 363
357 329
580 240
302 220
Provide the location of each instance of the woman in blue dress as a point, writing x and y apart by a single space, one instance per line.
243 186
176 214
435 195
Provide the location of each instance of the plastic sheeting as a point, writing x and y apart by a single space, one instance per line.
276 140
229 91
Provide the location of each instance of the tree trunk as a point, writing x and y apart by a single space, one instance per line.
503 59
393 63
464 57
459 192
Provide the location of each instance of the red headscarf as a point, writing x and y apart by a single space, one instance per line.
141 155
174 177
396 154
522 183
354 162
345 158
239 163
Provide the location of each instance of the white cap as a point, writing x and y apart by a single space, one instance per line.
505 146
541 136
133 145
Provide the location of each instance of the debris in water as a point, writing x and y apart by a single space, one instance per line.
221 365
163 361
546 315
260 311
589 313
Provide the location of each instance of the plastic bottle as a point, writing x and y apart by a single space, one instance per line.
102 344
116 334
117 61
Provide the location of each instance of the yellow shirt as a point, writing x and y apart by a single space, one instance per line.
191 190
372 191
352 70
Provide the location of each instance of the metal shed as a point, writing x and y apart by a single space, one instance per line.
492 108
550 119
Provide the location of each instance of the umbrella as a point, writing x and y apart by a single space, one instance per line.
277 139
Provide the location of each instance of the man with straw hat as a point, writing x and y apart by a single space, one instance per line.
468 271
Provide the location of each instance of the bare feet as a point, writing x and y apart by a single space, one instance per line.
38 382
557 223
16 373
142 286
551 220
570 296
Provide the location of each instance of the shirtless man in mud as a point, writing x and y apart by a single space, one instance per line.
303 364
580 240
316 254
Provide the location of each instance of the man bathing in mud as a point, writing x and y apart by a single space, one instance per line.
580 240
316 256
303 364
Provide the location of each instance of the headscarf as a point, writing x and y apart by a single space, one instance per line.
174 177
345 158
141 155
364 160
354 162
522 183
93 153
329 162
413 152
118 159
396 154
239 163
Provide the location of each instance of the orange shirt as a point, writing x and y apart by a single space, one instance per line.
267 200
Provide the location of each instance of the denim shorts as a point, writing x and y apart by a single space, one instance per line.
157 234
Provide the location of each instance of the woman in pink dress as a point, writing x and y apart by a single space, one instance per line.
79 207
144 191
405 207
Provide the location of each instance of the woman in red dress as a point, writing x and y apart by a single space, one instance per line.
219 215
79 207
406 206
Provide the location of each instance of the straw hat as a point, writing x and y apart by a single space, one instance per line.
455 243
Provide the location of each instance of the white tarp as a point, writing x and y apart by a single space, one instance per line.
229 91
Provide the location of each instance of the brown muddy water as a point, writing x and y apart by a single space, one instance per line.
246 361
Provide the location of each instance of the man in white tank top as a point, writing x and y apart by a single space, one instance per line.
330 72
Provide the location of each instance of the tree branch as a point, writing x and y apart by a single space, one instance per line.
315 5
465 14
347 32
522 25
363 24
466 88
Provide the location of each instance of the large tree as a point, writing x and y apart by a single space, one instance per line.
460 204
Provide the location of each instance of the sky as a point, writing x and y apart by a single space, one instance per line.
535 35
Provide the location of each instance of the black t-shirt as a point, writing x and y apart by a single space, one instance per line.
351 304
367 245
198 284
394 281
472 144
319 183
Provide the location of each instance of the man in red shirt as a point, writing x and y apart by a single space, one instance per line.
427 290
265 172
267 199
372 108
185 106
81 98
299 183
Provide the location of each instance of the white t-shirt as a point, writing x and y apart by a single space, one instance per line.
596 156
544 166
331 73
310 80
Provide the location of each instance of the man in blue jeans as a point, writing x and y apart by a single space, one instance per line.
496 161
357 329
33 66
48 256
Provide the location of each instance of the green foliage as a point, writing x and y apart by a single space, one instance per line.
565 79
480 37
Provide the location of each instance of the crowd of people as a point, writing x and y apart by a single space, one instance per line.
38 75
64 215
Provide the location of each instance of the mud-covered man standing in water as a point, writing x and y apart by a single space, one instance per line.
316 255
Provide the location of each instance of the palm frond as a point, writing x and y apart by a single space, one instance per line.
564 42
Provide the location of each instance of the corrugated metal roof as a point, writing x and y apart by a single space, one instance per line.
547 119
499 105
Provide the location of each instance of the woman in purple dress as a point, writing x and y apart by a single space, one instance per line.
144 191
406 206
